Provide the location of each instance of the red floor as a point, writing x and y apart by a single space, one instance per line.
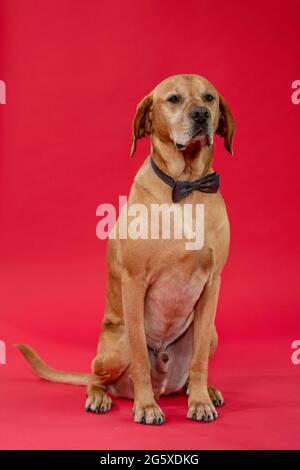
260 384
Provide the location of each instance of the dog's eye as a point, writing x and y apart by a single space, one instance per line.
209 97
173 99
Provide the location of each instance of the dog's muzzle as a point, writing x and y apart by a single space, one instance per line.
201 128
201 123
199 114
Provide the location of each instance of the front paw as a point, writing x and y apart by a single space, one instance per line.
202 409
147 412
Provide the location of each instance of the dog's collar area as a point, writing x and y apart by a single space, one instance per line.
181 189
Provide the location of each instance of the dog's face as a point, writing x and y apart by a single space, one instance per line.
182 110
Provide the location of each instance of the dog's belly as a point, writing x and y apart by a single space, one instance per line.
169 312
169 308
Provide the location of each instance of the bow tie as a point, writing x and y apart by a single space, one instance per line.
181 189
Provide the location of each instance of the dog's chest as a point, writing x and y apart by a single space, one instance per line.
169 307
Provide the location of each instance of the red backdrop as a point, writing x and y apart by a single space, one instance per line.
74 71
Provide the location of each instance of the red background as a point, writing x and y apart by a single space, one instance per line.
74 71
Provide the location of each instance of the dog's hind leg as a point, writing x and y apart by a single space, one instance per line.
110 362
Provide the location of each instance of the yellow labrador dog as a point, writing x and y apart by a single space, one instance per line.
159 323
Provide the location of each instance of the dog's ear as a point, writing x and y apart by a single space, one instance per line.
141 124
226 126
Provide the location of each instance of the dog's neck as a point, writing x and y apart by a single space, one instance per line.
190 164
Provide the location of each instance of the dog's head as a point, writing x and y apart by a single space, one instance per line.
182 110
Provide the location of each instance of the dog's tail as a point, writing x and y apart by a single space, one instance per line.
47 373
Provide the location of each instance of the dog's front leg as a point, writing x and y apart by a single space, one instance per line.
200 405
145 407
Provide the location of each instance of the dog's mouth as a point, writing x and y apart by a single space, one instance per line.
201 135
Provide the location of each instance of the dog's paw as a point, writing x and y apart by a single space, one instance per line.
148 413
202 410
216 396
98 402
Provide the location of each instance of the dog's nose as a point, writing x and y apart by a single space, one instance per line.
199 114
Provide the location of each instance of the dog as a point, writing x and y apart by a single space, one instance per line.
159 331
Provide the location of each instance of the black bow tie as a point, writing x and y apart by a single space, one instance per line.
181 189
